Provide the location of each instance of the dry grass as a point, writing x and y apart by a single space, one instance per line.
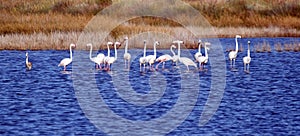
263 47
44 24
278 47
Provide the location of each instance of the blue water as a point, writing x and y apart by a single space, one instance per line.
43 101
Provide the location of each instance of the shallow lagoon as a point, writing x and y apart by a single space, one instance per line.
43 101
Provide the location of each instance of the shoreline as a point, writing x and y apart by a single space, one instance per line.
61 40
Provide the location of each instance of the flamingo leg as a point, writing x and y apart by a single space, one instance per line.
248 67
128 64
100 66
157 65
140 67
125 63
233 62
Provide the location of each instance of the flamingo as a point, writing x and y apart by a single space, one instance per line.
247 59
203 59
233 54
97 59
175 57
127 56
101 57
198 54
111 60
186 61
143 59
165 57
67 61
151 58
106 58
28 64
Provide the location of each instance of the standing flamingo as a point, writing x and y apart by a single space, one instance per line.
198 54
127 56
28 64
247 59
97 59
143 59
111 60
186 61
106 58
233 54
203 59
67 61
151 58
175 57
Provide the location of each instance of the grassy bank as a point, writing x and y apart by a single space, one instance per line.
43 24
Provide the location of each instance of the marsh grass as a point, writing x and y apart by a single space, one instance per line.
278 47
296 47
263 47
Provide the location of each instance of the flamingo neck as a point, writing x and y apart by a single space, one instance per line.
91 52
248 50
199 47
172 51
126 46
108 51
236 45
116 52
144 50
26 59
71 52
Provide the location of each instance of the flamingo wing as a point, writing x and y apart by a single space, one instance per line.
65 62
232 55
127 56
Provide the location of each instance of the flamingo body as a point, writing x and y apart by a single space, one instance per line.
163 59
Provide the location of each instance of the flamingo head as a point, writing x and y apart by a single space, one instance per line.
173 46
89 44
126 38
109 43
73 45
178 41
238 36
207 44
199 41
157 43
249 42
117 44
144 41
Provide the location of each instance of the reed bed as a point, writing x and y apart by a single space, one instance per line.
278 47
263 47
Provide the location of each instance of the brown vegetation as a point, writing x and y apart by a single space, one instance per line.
44 24
262 47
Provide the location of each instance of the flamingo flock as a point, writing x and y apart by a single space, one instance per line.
201 59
